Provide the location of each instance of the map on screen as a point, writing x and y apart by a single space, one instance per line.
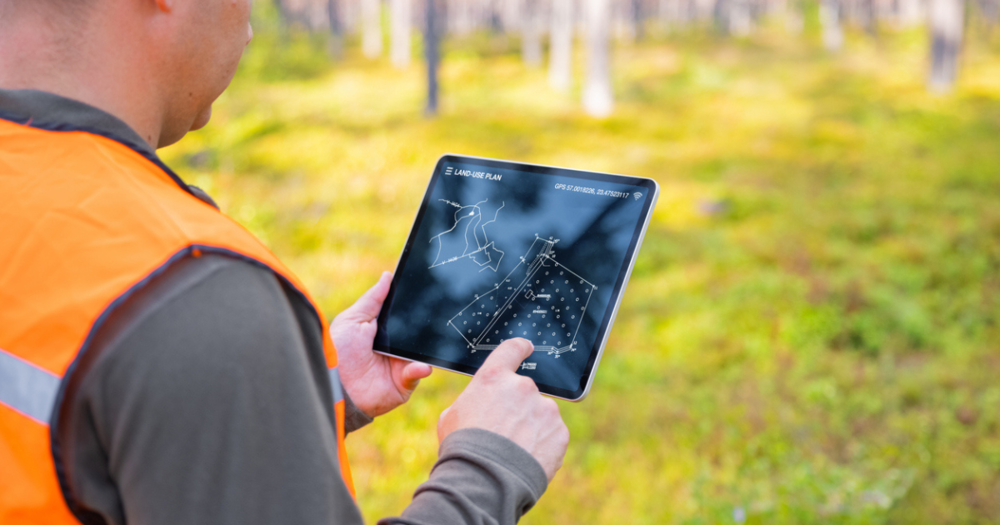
498 253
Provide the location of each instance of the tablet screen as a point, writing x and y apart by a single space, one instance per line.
502 250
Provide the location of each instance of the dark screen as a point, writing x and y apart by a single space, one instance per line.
501 253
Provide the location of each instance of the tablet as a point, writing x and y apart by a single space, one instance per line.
503 249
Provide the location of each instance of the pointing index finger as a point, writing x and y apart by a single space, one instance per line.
509 355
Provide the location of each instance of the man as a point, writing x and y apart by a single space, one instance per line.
159 365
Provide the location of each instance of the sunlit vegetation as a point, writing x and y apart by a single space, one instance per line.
811 331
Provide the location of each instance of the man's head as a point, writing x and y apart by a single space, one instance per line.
157 64
203 40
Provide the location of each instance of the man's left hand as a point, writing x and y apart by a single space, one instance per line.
375 383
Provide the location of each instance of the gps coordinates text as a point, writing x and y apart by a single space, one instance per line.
594 191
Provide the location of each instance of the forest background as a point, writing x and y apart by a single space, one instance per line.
810 334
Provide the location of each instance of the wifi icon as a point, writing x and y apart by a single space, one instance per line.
637 195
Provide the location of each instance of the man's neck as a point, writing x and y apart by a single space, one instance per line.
49 61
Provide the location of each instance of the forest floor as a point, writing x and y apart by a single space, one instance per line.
811 331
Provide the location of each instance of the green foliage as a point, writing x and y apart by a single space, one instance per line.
810 333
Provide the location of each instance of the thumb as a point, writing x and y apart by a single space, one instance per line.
370 303
412 373
509 355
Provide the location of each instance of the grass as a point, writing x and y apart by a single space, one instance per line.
811 331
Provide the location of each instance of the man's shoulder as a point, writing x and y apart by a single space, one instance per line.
204 329
207 365
190 291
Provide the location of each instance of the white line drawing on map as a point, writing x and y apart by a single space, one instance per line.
467 238
539 300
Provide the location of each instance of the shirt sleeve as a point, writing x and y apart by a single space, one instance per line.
354 417
480 477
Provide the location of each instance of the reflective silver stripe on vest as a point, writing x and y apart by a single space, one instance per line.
27 388
338 387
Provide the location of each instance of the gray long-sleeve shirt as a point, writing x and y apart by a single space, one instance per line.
204 399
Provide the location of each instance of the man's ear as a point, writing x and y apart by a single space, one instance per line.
165 6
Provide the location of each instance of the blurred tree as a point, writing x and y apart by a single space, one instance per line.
639 19
666 12
350 16
284 13
597 97
496 16
909 12
868 17
989 11
510 11
336 28
794 21
432 53
371 28
947 18
561 45
740 21
624 19
400 13
531 34
720 15
830 19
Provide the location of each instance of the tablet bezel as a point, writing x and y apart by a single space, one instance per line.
604 329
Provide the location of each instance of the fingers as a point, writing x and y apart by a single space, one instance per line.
509 355
370 303
412 373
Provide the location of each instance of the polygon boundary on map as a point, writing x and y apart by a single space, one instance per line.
540 300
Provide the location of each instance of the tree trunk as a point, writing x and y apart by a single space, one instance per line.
639 17
740 23
988 12
947 19
317 16
910 13
991 13
371 28
512 10
531 34
597 97
721 11
794 21
284 15
460 17
622 13
561 45
664 14
400 51
869 17
830 19
431 37
336 29
350 16
496 18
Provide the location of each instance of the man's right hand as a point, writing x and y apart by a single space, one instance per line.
499 400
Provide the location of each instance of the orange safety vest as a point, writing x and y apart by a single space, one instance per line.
85 221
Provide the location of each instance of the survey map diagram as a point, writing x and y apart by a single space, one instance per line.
540 300
467 238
